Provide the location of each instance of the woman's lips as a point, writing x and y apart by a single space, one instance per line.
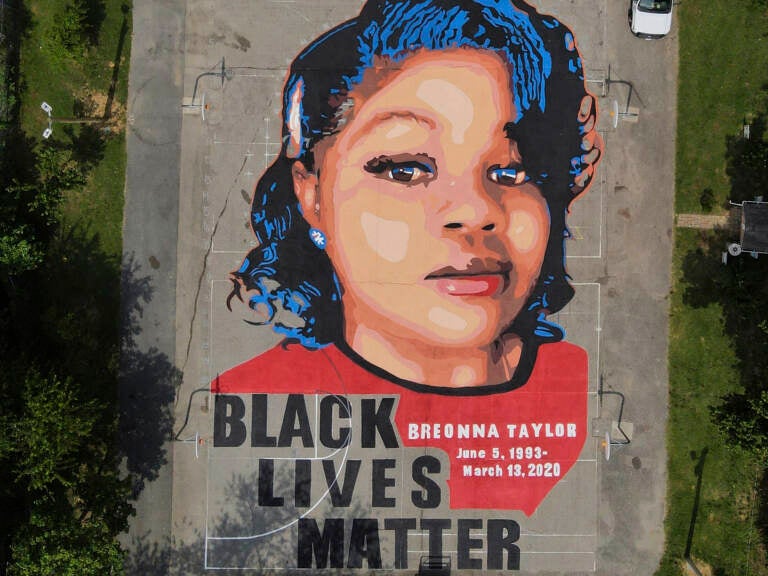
474 285
480 277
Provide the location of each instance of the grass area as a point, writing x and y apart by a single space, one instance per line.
702 367
98 207
78 85
723 71
722 78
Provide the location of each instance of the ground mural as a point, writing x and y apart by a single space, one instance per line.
410 247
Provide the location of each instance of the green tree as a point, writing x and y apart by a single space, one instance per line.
66 470
62 496
743 417
70 29
51 433
55 543
18 252
30 211
63 499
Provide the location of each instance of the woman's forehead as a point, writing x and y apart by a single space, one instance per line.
458 90
385 71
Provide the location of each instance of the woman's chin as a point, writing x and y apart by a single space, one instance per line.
476 336
435 324
464 326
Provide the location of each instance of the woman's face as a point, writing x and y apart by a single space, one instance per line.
435 232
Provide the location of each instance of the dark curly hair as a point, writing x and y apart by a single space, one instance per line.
555 131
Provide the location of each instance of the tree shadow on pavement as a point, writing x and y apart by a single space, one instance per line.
187 558
243 516
148 380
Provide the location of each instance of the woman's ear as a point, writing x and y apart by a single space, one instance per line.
305 186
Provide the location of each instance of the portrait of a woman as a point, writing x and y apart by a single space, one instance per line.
413 227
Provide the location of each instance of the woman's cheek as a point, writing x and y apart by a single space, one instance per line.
374 239
388 239
527 232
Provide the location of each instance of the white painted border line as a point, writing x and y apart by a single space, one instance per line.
601 223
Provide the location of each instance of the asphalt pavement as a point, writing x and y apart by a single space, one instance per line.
151 216
188 182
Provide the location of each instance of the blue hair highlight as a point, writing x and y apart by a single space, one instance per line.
430 27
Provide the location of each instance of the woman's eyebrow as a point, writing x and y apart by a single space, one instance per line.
381 117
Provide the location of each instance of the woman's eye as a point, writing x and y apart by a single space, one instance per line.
408 173
507 175
401 170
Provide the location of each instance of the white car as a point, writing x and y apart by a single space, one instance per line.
650 18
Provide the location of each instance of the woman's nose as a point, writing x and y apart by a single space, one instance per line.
472 208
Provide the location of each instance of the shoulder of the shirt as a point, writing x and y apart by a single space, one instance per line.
287 355
560 349
295 356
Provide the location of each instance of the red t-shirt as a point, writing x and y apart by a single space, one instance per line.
507 450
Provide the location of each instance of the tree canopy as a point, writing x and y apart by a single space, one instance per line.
62 494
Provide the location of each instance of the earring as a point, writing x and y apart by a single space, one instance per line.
317 237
